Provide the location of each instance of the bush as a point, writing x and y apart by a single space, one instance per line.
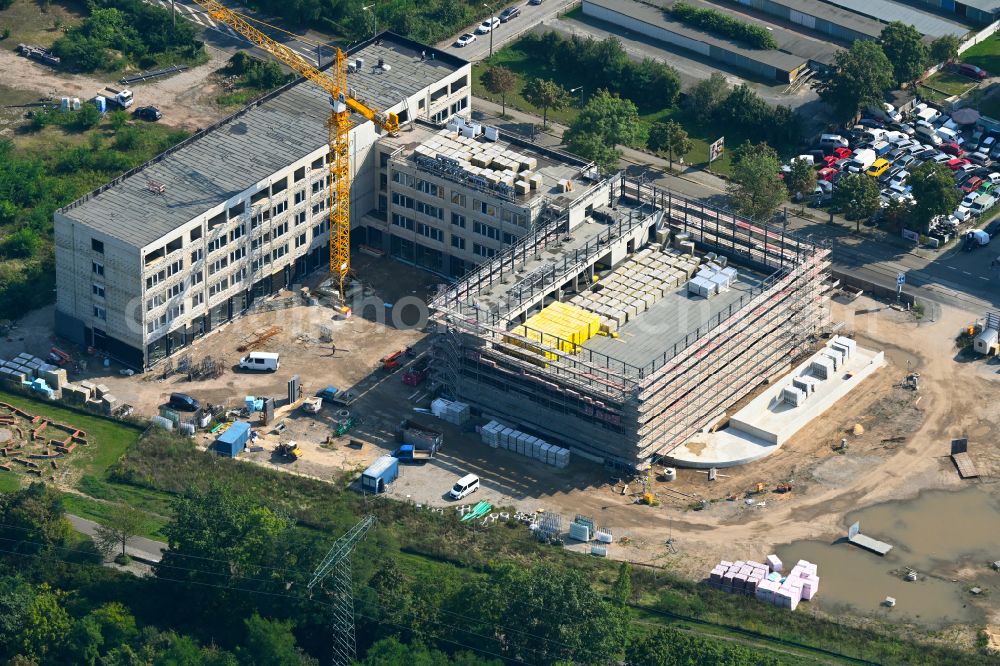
714 21
21 244
650 84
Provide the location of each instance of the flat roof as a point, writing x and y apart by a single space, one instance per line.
835 15
669 320
789 41
888 11
653 16
225 159
552 166
991 6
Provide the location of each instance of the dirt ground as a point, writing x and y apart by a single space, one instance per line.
187 100
902 450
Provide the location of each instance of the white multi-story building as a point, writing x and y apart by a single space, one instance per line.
184 243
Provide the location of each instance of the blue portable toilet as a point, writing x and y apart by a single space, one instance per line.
382 472
233 440
102 103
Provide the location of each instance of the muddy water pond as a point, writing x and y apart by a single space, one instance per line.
936 534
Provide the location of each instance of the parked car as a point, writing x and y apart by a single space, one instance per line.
510 13
535 2
842 153
833 141
955 162
467 485
899 178
952 148
871 123
993 228
985 187
878 167
905 128
488 26
973 72
183 402
905 161
993 178
979 157
969 187
465 39
150 113
826 173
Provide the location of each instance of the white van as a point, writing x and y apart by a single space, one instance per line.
465 486
832 141
927 133
262 361
982 204
950 135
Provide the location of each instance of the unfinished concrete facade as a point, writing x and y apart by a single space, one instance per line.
185 243
670 362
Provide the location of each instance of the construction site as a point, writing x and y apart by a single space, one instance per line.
623 333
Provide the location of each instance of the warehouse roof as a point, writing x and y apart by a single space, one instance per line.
225 159
887 10
836 15
991 6
655 17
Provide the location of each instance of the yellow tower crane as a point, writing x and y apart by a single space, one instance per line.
338 127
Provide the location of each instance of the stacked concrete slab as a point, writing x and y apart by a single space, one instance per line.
494 162
451 411
497 435
711 279
636 285
765 582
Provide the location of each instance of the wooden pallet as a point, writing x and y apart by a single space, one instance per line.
966 468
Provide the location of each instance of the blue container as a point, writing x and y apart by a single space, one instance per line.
102 103
382 472
233 440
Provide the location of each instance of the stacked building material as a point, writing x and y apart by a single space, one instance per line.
635 286
712 279
497 435
560 326
765 582
453 412
74 395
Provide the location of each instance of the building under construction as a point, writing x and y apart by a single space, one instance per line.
623 332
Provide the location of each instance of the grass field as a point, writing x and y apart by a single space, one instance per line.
40 28
943 85
985 54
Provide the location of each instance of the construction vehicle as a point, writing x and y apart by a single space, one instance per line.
123 98
393 361
312 405
782 488
338 126
420 436
59 357
417 373
329 393
414 454
757 489
289 450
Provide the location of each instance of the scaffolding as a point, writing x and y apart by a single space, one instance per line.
611 409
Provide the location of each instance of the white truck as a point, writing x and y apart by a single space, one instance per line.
123 98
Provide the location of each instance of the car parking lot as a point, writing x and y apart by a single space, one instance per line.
890 147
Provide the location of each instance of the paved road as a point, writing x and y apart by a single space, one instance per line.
531 16
138 547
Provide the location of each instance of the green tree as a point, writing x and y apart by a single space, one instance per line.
904 46
86 118
755 189
124 524
652 84
46 625
21 244
704 97
801 179
117 119
863 75
557 614
33 519
896 214
238 543
621 591
607 121
16 598
857 196
391 652
934 192
944 48
270 643
545 95
670 138
500 80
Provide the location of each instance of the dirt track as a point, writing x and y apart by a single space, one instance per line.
187 100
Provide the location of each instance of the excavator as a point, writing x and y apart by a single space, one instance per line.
333 81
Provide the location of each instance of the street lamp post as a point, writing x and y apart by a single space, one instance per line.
580 90
492 18
371 8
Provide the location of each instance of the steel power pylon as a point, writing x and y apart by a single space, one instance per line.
338 563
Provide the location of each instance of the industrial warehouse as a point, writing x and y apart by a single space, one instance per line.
622 333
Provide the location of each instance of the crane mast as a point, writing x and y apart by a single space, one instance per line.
338 127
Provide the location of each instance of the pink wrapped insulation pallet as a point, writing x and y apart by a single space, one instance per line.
727 579
739 582
725 563
810 587
773 563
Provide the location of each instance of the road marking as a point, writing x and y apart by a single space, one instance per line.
984 278
951 268
966 273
